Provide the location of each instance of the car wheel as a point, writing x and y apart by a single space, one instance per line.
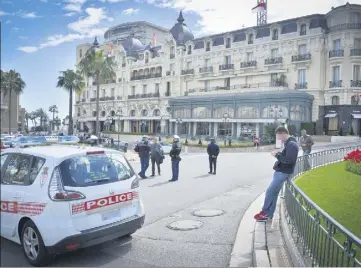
33 245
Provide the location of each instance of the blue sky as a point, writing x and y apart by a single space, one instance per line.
39 37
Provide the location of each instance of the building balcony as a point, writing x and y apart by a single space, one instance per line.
172 56
144 96
206 69
345 26
355 52
103 99
187 72
276 60
225 67
301 85
301 57
147 76
336 53
248 64
355 83
83 100
333 84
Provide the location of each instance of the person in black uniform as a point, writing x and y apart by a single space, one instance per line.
175 157
143 149
213 151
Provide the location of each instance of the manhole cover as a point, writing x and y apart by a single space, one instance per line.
185 225
208 212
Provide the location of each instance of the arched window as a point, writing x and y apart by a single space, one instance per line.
102 114
335 100
172 53
275 34
228 42
182 113
250 39
201 112
208 46
94 113
146 57
247 112
189 49
156 112
354 100
84 112
298 113
275 111
144 112
221 112
303 29
132 113
112 113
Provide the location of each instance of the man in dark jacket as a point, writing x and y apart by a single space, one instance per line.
143 149
175 157
213 151
156 155
284 167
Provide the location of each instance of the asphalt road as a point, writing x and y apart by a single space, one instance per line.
241 177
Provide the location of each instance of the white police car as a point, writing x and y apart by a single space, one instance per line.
61 198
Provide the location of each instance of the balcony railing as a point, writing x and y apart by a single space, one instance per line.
248 64
144 96
301 57
148 76
226 67
337 83
336 53
207 69
276 60
345 26
355 52
355 83
188 71
301 85
103 99
172 56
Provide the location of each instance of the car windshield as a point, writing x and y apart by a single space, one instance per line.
89 170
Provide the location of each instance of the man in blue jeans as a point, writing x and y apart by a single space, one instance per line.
284 167
175 157
143 149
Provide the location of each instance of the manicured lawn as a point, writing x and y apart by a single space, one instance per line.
337 192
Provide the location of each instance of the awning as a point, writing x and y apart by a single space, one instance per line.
330 115
356 116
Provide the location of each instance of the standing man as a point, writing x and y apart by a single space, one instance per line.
284 167
175 157
306 143
156 155
213 151
143 149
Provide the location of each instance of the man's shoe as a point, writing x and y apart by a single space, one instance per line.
171 180
152 175
261 217
210 172
214 173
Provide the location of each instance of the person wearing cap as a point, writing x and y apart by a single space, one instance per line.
175 157
143 150
213 151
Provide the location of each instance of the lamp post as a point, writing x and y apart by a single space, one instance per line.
225 120
276 113
178 121
119 116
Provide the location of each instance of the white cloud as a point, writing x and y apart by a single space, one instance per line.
44 1
220 16
30 15
2 13
112 1
82 28
70 14
130 11
15 29
8 21
73 7
23 37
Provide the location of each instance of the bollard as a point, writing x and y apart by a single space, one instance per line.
125 147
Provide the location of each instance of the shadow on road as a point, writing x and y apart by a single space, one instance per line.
203 176
159 184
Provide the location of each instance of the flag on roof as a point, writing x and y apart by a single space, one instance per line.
261 7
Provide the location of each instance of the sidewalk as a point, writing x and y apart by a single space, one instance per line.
259 244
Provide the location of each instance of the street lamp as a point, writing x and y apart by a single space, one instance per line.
178 121
96 44
119 116
276 113
225 119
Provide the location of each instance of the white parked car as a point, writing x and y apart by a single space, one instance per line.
166 147
56 199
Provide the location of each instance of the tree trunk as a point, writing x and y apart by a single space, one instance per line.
97 125
9 110
52 123
70 127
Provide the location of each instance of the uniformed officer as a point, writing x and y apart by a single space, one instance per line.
175 157
213 151
143 149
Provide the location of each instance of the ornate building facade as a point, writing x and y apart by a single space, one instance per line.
230 83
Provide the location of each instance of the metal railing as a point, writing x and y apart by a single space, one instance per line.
321 238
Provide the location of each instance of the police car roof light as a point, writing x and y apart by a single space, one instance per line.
95 152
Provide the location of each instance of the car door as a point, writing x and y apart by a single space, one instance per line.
15 175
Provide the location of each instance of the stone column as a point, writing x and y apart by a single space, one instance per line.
194 129
126 125
238 130
175 128
162 126
257 130
210 129
215 129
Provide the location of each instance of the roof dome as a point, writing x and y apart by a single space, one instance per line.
132 45
180 31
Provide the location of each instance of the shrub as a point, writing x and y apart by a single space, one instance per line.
353 162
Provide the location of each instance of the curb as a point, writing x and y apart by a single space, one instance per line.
242 252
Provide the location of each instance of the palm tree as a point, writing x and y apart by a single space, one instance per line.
11 82
33 118
71 81
27 117
101 68
54 110
43 116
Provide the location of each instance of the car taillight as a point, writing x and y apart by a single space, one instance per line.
135 183
57 191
